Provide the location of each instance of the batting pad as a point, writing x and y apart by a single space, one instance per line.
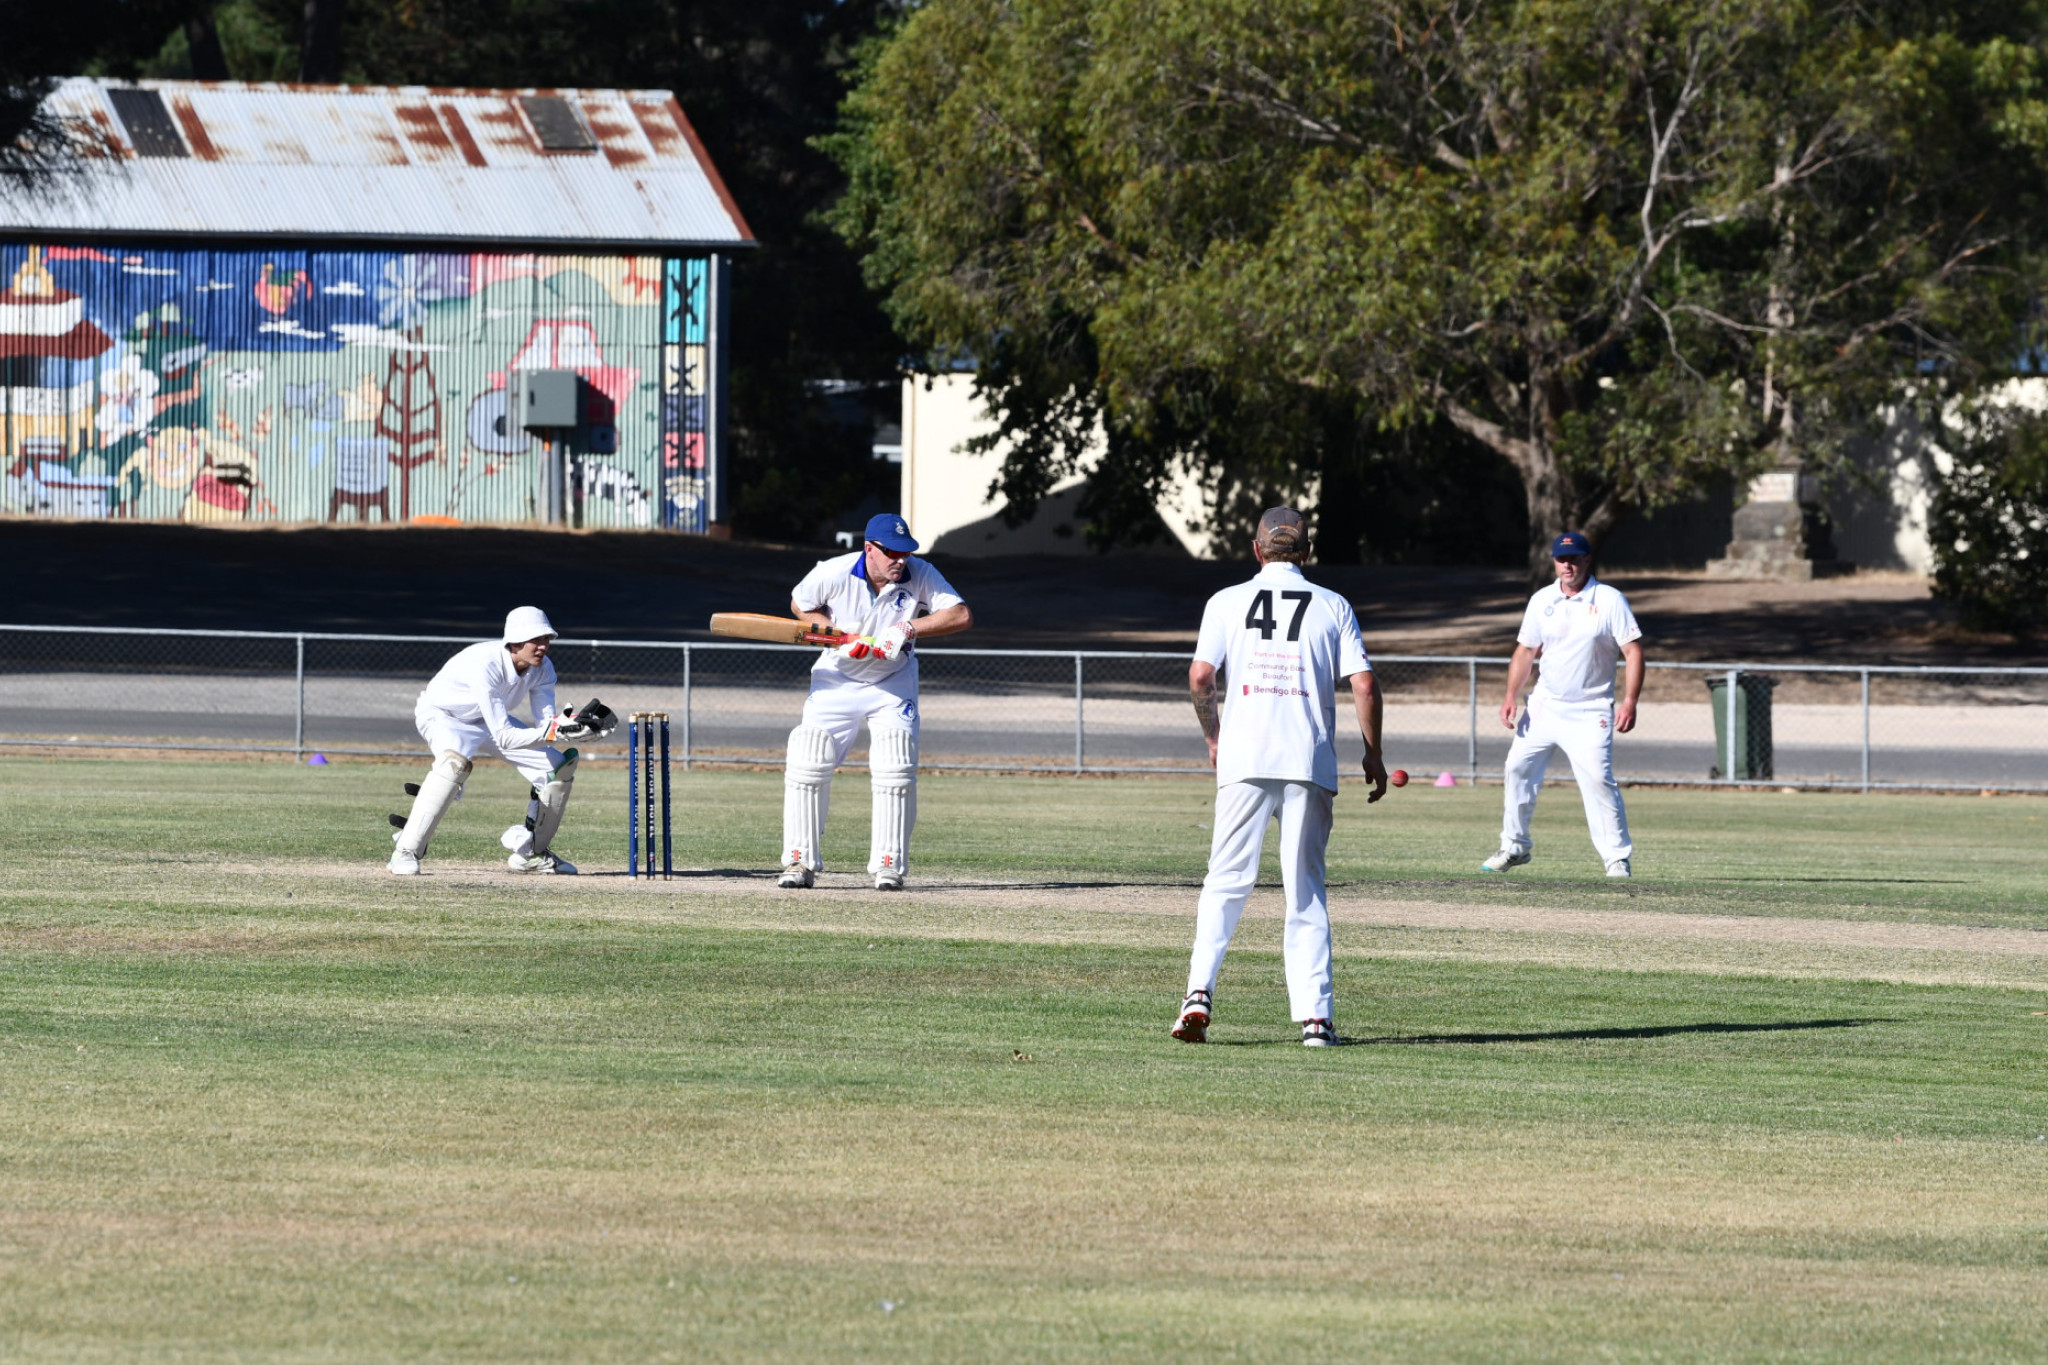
806 795
554 803
892 764
440 789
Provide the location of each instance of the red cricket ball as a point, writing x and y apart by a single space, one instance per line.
1398 777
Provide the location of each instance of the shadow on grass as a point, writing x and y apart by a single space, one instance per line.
859 881
1595 1034
1570 1035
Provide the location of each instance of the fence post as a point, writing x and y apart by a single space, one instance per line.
1866 729
686 708
299 708
1472 738
1080 719
1733 739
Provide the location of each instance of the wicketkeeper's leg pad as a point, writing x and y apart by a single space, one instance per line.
806 795
892 765
440 789
553 803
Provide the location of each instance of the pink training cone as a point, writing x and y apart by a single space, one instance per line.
1446 780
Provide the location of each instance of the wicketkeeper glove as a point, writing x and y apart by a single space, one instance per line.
600 719
891 643
561 727
592 720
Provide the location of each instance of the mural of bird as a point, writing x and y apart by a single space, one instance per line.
276 297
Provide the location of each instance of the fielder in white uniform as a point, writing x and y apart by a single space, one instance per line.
1577 628
1282 644
469 706
876 593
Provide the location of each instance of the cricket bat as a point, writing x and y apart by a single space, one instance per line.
780 630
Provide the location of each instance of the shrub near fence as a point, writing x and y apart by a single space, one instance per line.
1074 711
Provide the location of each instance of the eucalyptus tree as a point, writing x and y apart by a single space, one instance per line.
1630 248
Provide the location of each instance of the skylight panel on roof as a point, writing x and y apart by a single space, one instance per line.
556 125
149 124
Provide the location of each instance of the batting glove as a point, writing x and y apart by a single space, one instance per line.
891 643
859 647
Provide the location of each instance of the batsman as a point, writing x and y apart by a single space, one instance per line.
877 595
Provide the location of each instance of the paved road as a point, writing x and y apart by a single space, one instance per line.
1053 745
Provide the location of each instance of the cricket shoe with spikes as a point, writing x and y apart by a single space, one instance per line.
888 879
1620 868
1318 1033
1193 1024
541 865
796 877
403 865
1503 860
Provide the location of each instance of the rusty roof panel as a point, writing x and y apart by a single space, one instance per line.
360 162
617 132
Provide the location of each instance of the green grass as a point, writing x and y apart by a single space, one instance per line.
262 1102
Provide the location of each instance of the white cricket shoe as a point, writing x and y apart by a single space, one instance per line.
404 865
1619 868
1503 860
888 879
1318 1033
1193 1024
541 865
796 877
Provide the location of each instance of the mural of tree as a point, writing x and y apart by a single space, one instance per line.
409 418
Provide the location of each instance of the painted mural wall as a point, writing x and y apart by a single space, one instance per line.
283 386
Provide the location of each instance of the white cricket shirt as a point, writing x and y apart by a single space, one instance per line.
481 686
839 587
1578 639
1282 644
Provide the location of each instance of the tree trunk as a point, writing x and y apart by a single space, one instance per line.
209 62
1549 494
320 42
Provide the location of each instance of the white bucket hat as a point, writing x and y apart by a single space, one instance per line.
528 623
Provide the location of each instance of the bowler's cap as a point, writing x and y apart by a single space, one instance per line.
1570 543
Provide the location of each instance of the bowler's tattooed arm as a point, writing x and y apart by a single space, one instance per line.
1202 691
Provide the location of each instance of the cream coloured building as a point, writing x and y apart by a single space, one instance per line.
946 490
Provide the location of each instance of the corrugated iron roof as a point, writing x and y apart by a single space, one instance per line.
378 163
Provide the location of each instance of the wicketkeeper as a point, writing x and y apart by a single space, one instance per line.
876 593
470 706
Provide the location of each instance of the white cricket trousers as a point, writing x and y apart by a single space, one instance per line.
445 734
1585 731
840 706
1242 812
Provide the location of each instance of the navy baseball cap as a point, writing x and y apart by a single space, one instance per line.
1570 543
887 530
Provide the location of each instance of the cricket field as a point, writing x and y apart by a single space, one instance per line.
1783 1097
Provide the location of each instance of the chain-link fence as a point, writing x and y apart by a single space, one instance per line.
1086 711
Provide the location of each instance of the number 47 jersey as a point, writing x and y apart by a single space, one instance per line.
1282 645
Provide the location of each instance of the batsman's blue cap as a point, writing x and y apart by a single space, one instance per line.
888 531
1570 543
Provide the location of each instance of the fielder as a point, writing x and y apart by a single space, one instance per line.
1578 627
1282 644
469 706
876 593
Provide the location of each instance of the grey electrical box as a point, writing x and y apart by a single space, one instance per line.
547 399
